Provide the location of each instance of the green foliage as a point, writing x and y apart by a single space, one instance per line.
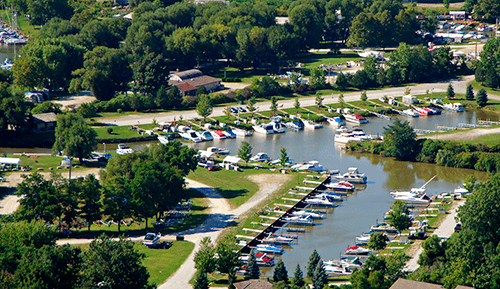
469 93
204 259
265 87
43 11
341 99
378 241
482 98
204 107
283 157
470 183
74 136
252 271
201 280
434 251
296 104
245 151
379 272
486 72
298 281
149 74
89 198
450 92
399 216
363 96
317 79
251 104
314 259
400 141
13 109
319 278
228 259
319 101
280 272
274 104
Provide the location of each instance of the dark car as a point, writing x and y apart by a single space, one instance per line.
233 110
458 227
241 109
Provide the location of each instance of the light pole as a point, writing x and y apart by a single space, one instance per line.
104 147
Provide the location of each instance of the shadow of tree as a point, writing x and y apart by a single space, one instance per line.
230 194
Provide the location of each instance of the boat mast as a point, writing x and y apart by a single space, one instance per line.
422 187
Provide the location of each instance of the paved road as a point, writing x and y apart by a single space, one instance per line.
459 85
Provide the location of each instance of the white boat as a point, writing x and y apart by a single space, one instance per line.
278 127
351 262
261 259
269 248
461 190
418 200
335 121
341 186
352 176
345 137
206 136
220 151
355 118
320 203
413 191
342 129
318 216
313 166
218 134
383 227
241 132
362 240
311 124
277 239
409 113
123 149
260 157
16 41
356 250
370 53
304 220
453 107
331 196
265 128
191 135
335 270
7 64
295 125
229 133
163 139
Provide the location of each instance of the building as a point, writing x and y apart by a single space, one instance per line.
254 284
410 284
410 99
45 121
458 15
9 163
189 81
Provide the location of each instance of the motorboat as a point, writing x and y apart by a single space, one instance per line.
362 240
151 239
7 64
206 136
295 125
409 113
413 192
335 121
342 129
340 186
434 110
163 139
418 200
453 107
220 151
191 135
383 227
260 157
304 220
269 248
277 239
317 216
311 124
345 137
123 149
218 134
461 190
265 128
312 166
330 196
351 262
320 202
421 111
241 132
278 127
355 118
352 176
356 250
261 259
336 270
229 133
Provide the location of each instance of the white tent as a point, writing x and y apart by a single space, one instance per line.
206 154
10 162
231 159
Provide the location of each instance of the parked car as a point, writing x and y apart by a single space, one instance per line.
2 179
242 109
458 227
233 110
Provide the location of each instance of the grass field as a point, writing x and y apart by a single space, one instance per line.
23 23
47 163
489 140
314 60
478 86
121 132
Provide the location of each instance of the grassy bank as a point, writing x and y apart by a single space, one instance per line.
48 163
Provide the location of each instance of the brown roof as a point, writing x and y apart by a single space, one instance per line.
197 81
45 117
254 284
185 86
410 284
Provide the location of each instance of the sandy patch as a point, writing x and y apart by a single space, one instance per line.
464 135
75 101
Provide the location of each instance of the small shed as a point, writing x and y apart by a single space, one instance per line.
10 163
410 99
45 121
231 160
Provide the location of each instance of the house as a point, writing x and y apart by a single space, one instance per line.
45 121
410 99
410 284
34 96
254 284
189 81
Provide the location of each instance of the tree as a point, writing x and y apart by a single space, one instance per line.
298 281
364 31
446 4
251 104
486 71
204 107
150 72
342 81
105 71
74 136
433 252
400 140
90 196
283 157
201 280
314 259
450 92
39 200
252 271
399 216
116 199
363 96
204 259
482 98
162 99
470 183
318 80
377 241
341 99
228 258
274 104
319 100
296 104
245 152
319 277
280 272
114 263
469 93
42 11
307 23
13 110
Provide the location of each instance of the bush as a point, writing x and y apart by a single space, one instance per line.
231 79
119 110
109 130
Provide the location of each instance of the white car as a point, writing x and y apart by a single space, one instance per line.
2 179
260 157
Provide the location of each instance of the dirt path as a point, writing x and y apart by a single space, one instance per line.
464 135
10 202
219 215
444 231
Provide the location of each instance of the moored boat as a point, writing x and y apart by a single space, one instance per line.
123 149
311 124
356 250
335 121
355 118
269 248
191 135
265 128
341 186
295 125
241 132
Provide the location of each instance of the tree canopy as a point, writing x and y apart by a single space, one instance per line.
400 140
74 136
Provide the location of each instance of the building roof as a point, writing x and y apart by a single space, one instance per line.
10 161
231 159
184 86
410 284
45 117
187 74
254 284
195 82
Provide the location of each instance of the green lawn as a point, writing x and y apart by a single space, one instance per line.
314 60
489 90
121 132
489 140
24 25
46 163
162 263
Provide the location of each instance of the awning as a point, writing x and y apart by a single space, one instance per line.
231 159
10 161
206 154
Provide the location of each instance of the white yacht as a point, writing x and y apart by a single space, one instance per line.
163 139
241 132
352 176
260 157
335 121
345 137
418 200
206 136
311 124
191 135
264 128
278 127
355 118
123 149
313 166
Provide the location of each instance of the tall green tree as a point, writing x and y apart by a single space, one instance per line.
150 72
377 241
434 251
228 259
296 104
204 259
317 79
307 23
319 277
363 96
314 259
482 98
204 107
400 140
341 99
251 104
42 11
74 136
486 70
280 273
283 157
117 199
252 271
469 92
201 280
274 104
298 281
13 110
319 100
399 216
245 152
450 92
90 197
39 200
115 264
